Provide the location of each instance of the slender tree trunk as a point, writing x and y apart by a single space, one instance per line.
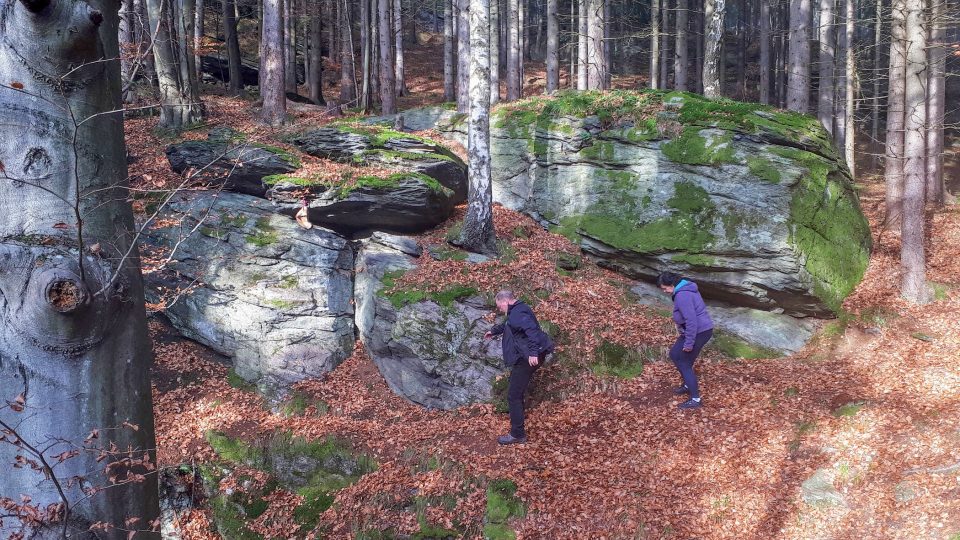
681 66
128 41
290 45
582 45
698 48
607 51
179 106
655 44
553 47
597 73
765 52
665 44
826 62
199 30
494 52
183 17
398 43
713 15
315 75
893 166
366 38
912 258
524 52
73 329
463 56
936 104
144 40
571 48
798 80
388 83
478 234
233 47
448 47
877 65
850 128
333 25
272 65
348 84
513 50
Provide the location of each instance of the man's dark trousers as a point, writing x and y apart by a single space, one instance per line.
684 360
520 376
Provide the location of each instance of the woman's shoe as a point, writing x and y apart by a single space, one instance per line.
692 403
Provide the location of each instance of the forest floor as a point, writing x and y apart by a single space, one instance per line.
871 405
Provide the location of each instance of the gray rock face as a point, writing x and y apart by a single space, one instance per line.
274 296
772 331
429 181
818 490
430 354
226 157
753 203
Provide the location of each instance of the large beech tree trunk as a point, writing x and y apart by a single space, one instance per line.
477 233
73 332
272 77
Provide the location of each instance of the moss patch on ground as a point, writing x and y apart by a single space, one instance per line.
502 505
316 470
735 347
399 296
613 359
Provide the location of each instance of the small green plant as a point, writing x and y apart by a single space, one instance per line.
806 427
940 291
791 391
453 233
848 409
238 382
508 253
502 505
613 359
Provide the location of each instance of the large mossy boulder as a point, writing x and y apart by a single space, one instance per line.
412 185
752 202
226 156
429 346
254 286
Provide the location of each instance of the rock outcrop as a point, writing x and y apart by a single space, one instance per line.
752 202
254 286
227 157
424 184
428 346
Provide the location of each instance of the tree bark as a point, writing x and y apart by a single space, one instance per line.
713 16
388 83
290 45
826 95
477 234
665 44
681 66
597 73
448 47
583 61
494 52
199 30
798 79
765 52
233 48
936 104
366 38
128 40
850 128
73 331
179 105
655 44
463 56
875 100
348 83
315 75
513 50
398 44
894 152
272 65
553 47
912 258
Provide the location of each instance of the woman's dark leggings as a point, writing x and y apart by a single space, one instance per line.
684 360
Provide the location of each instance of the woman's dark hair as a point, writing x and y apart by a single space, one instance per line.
668 279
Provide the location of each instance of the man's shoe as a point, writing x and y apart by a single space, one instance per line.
680 390
691 404
510 439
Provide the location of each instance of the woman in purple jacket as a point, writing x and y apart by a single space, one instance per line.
695 328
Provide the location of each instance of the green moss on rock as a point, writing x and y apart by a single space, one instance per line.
735 347
693 148
763 169
400 297
502 505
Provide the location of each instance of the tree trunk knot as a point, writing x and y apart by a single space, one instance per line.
66 295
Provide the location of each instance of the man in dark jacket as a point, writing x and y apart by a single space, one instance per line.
525 345
695 328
